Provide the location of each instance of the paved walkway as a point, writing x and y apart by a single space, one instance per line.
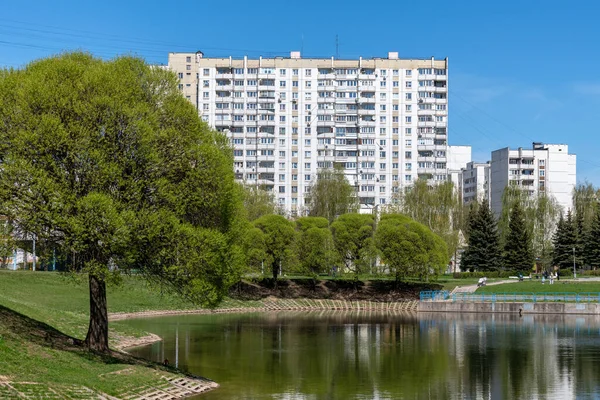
473 288
165 389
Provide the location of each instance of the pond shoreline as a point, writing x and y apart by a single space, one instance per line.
281 305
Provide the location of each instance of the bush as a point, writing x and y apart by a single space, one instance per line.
488 274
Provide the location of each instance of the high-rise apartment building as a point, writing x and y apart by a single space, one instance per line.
382 120
547 168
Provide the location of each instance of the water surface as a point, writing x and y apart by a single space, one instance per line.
362 355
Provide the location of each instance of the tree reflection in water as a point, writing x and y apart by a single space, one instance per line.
346 355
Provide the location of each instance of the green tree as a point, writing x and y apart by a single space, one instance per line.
483 251
331 195
436 206
517 247
541 213
279 236
315 249
258 202
7 242
107 162
591 248
565 240
410 248
353 239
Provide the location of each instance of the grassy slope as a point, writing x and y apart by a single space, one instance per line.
537 287
30 350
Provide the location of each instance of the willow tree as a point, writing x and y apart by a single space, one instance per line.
106 161
258 202
436 206
330 195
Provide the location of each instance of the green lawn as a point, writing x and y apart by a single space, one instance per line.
38 313
536 286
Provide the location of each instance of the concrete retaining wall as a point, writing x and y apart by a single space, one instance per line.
527 308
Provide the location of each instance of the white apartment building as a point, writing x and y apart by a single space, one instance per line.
458 158
475 182
383 120
545 168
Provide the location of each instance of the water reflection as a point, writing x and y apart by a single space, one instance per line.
358 355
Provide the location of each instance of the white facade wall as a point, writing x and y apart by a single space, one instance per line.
475 182
458 158
384 121
545 168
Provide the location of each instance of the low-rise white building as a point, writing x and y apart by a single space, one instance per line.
458 158
475 182
547 168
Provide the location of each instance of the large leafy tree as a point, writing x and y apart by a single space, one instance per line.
331 195
278 238
436 206
483 251
315 249
517 246
353 239
105 161
410 248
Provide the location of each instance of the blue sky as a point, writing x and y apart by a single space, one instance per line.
520 71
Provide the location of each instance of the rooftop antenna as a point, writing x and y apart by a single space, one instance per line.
337 47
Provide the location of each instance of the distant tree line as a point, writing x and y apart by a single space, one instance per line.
534 231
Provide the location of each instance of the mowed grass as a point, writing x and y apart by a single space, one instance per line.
41 313
62 301
536 286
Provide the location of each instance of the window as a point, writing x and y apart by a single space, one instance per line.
281 190
282 84
396 84
180 75
407 178
282 72
307 165
307 177
308 72
408 84
408 142
408 107
206 95
282 118
295 72
188 67
206 72
408 96
307 142
307 154
295 83
408 155
408 131
238 71
408 120
408 72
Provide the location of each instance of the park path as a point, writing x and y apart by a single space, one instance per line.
473 288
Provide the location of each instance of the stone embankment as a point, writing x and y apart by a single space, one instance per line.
270 305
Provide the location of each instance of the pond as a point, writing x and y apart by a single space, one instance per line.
369 355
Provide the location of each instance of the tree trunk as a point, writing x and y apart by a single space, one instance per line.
97 336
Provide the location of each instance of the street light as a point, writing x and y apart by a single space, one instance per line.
574 271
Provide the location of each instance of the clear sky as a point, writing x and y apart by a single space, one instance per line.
520 71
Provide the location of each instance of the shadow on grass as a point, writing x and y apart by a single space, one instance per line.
19 326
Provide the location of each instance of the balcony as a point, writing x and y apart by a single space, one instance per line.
224 88
366 112
227 75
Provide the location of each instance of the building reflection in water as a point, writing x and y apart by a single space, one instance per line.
385 355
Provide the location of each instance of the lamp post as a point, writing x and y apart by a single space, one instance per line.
574 271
